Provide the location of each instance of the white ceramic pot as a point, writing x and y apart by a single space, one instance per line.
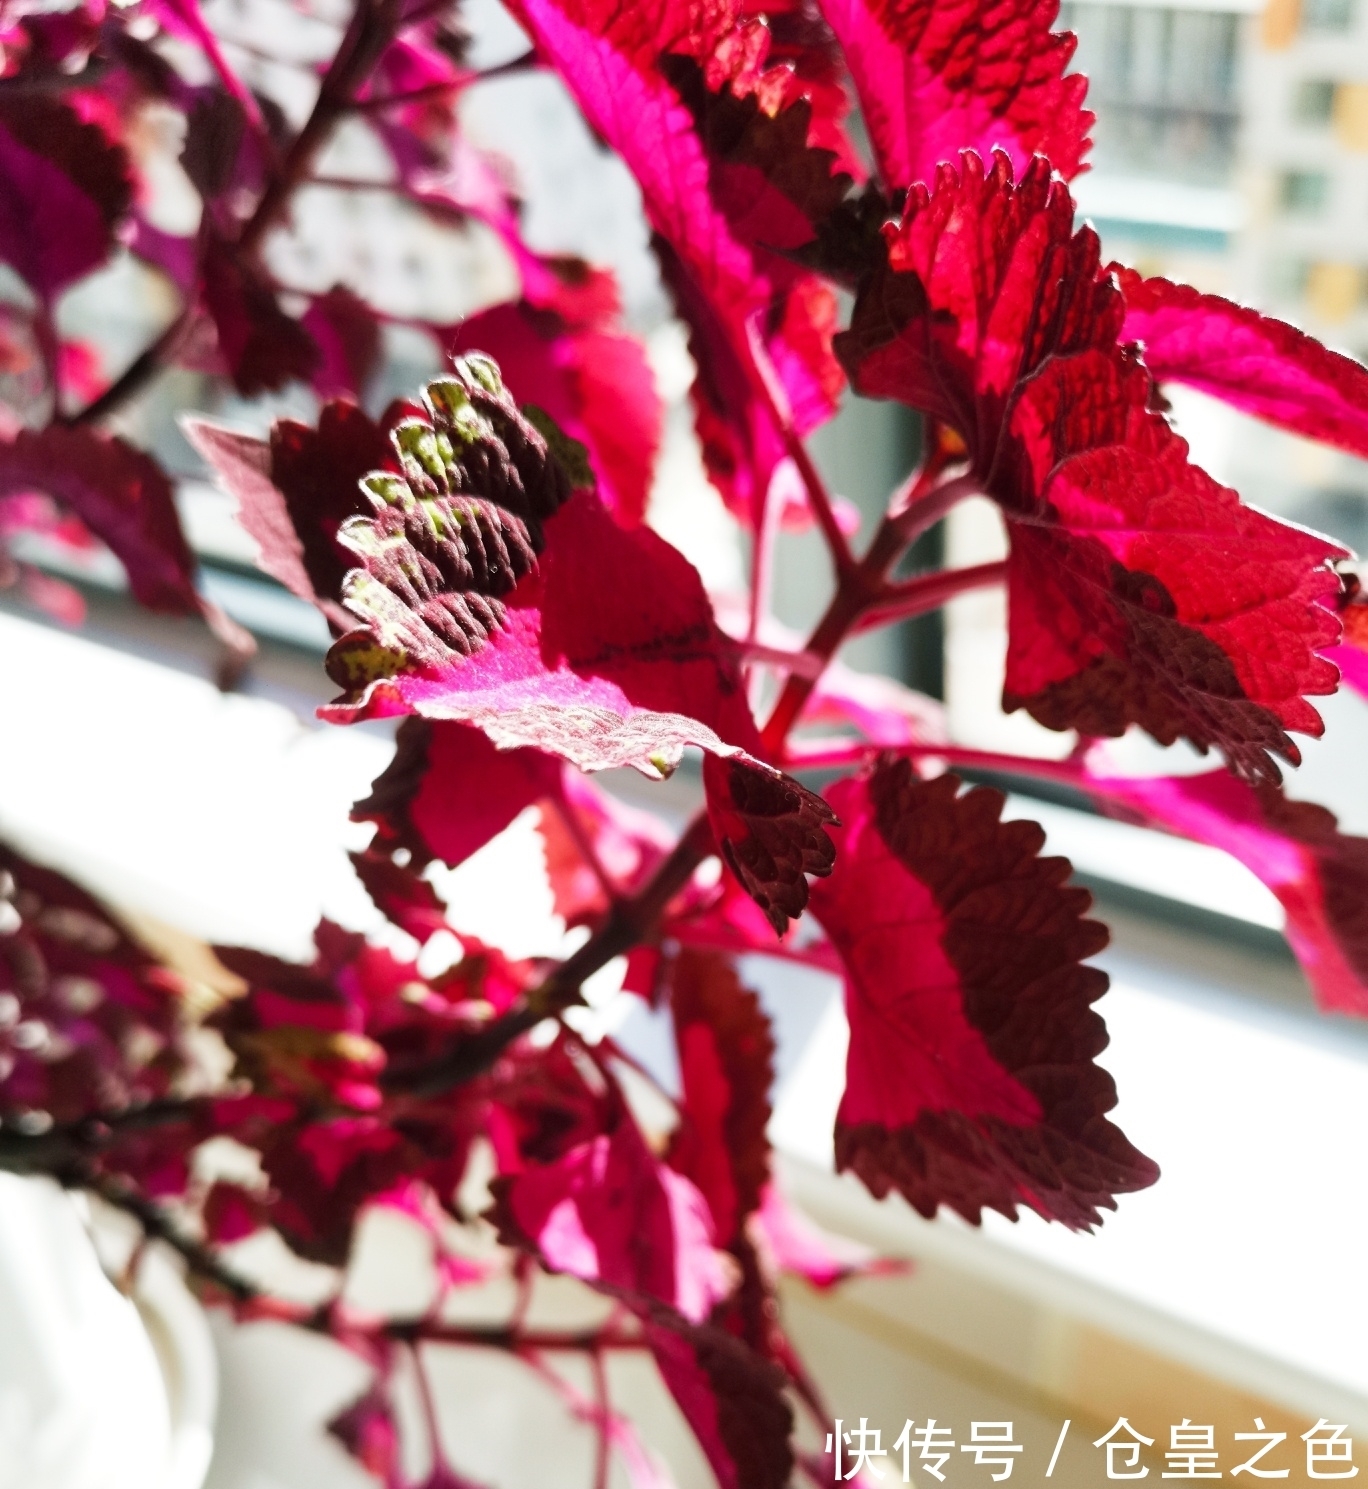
97 1390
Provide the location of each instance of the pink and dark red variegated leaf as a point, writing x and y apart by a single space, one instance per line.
771 832
296 491
725 152
1260 365
1318 873
970 1079
605 655
937 78
124 498
347 334
90 1023
731 1397
593 380
262 348
64 186
1140 591
611 1214
726 1066
448 791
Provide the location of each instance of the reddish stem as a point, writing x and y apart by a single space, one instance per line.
929 592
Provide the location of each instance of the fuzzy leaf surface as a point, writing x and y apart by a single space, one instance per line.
970 1079
1140 590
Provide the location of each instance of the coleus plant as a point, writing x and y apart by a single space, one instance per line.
484 555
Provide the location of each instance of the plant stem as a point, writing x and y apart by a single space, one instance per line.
928 592
369 32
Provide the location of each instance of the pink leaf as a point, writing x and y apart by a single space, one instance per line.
1258 364
1319 874
792 1243
609 1213
448 791
347 334
725 152
1140 591
63 187
970 1079
726 1064
937 78
367 1430
124 498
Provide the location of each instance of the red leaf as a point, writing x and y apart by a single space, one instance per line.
938 78
726 1066
347 334
969 1080
610 1213
448 791
231 1213
731 1398
261 346
89 1023
124 497
1258 364
593 380
63 187
1319 874
726 151
295 493
1140 591
770 831
401 895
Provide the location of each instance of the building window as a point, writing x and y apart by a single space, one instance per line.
1305 192
1314 101
1327 15
1163 80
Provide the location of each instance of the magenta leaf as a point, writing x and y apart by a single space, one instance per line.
1140 590
1258 364
771 832
448 791
726 1066
591 378
609 1213
731 1397
64 186
124 498
936 78
89 1022
736 166
347 334
970 1079
1318 873
367 1430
